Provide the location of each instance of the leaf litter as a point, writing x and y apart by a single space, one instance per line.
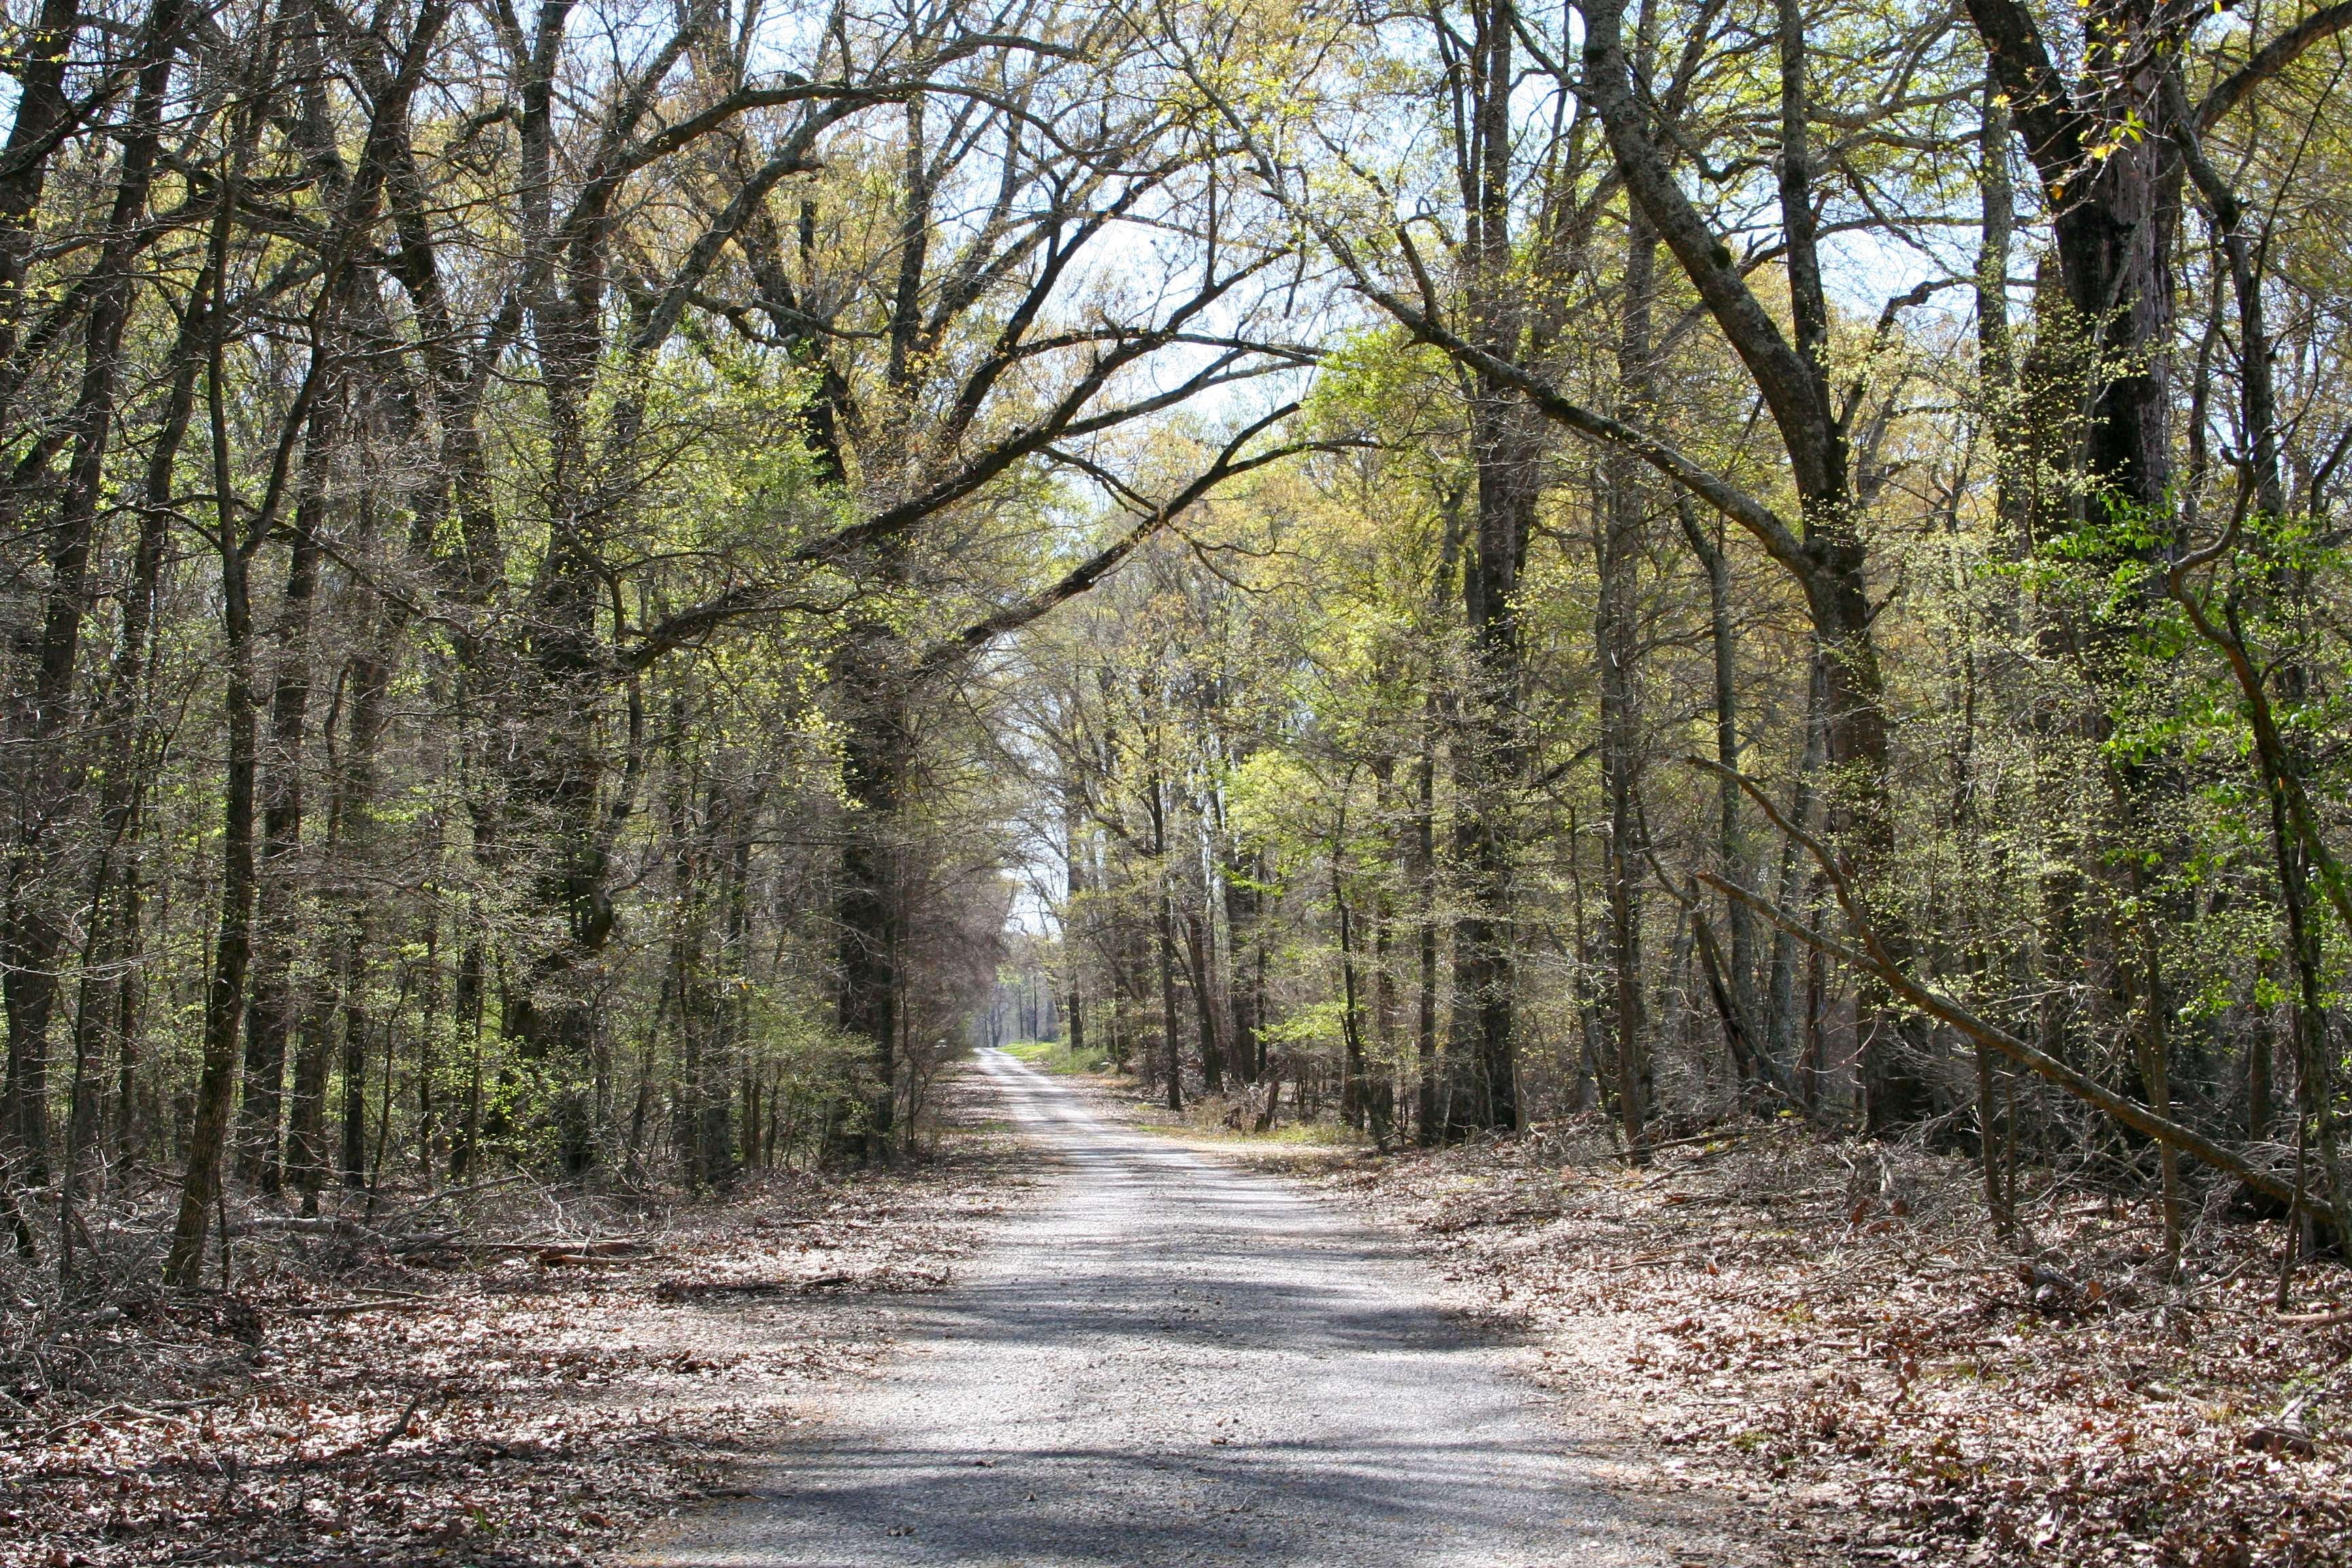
1827 1337
503 1404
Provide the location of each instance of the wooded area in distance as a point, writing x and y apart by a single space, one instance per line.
578 578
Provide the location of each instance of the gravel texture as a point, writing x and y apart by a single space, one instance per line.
1167 1361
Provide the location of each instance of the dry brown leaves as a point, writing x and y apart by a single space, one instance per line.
1827 1336
501 1408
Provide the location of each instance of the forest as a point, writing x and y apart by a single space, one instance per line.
597 590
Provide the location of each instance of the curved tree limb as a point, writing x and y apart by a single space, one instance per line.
2268 60
1229 464
1870 958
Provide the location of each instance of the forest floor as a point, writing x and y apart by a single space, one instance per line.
1817 1339
534 1399
1825 1337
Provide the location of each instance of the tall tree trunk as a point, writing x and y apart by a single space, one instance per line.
1489 757
1616 640
1996 377
1201 959
1381 1104
869 904
274 1006
110 987
1507 448
1730 841
2288 763
1428 1122
1170 1030
1785 1015
352 837
733 810
1074 920
1353 1098
231 948
1244 905
1171 1027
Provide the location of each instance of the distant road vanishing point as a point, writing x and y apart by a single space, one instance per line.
1166 1361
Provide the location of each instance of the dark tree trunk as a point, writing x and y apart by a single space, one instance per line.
354 809
869 904
716 1153
42 109
274 1006
231 948
1487 761
1202 966
1731 842
1244 905
1428 1121
1616 642
110 987
1074 920
2113 217
1353 1099
1171 1031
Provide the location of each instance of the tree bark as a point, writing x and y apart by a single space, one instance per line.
271 1010
232 947
1616 640
869 902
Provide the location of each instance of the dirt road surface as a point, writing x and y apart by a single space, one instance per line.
1167 1361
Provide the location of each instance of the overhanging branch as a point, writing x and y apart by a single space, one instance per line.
1229 464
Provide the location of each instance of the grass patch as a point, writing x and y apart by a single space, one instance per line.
1056 1055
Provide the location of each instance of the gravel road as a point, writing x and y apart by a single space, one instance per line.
1167 1361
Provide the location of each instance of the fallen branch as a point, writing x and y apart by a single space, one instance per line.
450 1241
300 1224
176 1411
446 1193
687 1289
2316 1320
1720 1135
596 1254
346 1309
400 1428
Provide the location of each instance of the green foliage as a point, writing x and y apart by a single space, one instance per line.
1056 1056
